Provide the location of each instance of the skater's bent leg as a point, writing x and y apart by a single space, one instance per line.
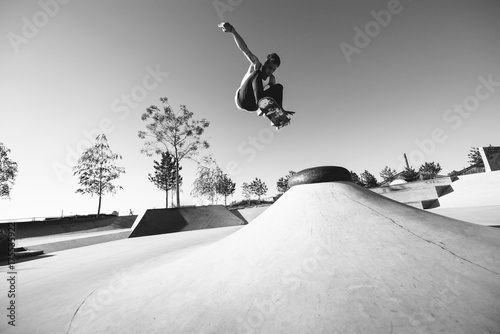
246 96
258 90
276 92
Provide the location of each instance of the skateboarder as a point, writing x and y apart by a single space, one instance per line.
259 80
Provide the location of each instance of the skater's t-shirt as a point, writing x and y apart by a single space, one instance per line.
247 89
265 83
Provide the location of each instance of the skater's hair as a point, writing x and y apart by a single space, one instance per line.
273 57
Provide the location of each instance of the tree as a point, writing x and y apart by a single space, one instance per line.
96 170
173 192
225 187
282 184
475 157
258 188
453 175
165 174
8 172
356 180
409 174
368 179
429 170
388 174
208 176
175 132
246 191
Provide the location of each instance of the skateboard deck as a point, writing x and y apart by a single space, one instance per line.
272 110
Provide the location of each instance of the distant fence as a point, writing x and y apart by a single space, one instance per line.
40 219
31 219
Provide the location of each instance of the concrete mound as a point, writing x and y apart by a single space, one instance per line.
160 221
325 258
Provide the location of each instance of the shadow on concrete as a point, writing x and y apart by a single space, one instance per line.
239 215
5 262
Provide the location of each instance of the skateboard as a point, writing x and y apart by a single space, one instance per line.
272 110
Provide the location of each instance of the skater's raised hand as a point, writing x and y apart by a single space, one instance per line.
226 27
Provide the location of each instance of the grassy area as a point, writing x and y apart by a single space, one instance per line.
248 204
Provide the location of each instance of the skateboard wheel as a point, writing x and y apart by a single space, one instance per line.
320 175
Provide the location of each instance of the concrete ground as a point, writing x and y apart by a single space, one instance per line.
488 215
50 288
325 258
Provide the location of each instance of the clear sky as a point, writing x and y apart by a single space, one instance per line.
369 81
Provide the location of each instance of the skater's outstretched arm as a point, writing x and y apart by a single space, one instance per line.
227 27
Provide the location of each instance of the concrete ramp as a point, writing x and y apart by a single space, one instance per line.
70 225
482 189
249 214
325 258
160 221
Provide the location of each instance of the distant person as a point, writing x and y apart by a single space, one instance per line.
259 80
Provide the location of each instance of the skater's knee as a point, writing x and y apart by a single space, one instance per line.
276 88
275 91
